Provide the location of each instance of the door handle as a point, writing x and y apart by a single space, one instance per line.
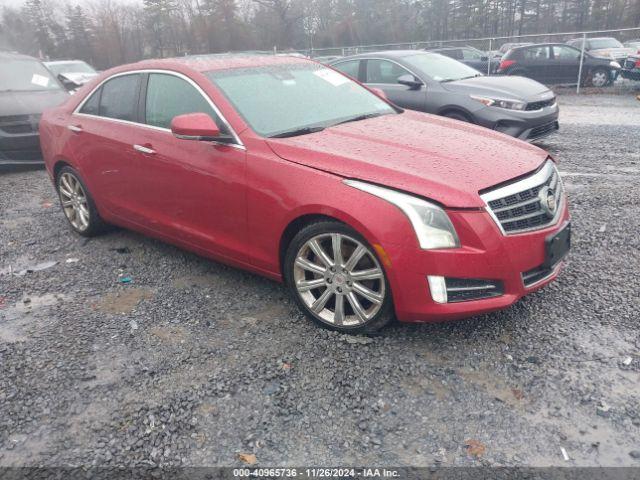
143 149
75 128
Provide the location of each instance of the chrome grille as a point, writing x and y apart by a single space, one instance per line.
517 207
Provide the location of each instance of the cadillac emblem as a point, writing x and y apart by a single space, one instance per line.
548 201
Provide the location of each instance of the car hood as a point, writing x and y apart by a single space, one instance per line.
612 52
29 103
501 87
79 77
435 157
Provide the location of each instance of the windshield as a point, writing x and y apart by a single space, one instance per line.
604 43
70 67
277 99
26 75
441 68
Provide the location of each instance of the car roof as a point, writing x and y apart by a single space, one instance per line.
534 45
390 54
16 56
62 62
206 63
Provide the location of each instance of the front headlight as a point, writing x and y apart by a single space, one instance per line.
500 103
615 64
430 222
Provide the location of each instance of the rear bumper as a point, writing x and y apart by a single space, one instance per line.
486 254
525 125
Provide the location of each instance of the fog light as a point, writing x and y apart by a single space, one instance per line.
438 288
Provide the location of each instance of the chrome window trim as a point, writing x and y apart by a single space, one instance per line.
238 143
527 183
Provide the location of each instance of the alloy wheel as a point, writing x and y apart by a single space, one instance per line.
599 78
339 279
74 201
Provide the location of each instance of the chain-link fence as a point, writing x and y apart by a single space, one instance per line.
487 51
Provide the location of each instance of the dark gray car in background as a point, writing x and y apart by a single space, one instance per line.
433 83
27 88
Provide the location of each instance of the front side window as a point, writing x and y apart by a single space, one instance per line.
384 71
350 68
469 54
565 53
26 76
169 96
279 99
119 98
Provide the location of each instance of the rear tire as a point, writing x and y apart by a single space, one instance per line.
350 294
77 204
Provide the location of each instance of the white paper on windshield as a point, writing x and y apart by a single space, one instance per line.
39 80
334 78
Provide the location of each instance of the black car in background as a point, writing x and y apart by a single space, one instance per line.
27 88
558 63
631 67
469 56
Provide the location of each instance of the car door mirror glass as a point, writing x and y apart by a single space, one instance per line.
410 81
195 126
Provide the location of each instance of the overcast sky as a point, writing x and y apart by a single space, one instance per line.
18 3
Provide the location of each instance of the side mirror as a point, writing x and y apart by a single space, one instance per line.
410 81
379 92
195 126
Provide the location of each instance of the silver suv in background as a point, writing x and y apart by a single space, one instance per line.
433 83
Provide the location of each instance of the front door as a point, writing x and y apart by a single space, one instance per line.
383 74
188 189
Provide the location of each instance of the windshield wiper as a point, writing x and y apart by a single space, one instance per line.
297 132
358 118
463 78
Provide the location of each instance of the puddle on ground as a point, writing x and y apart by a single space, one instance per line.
123 301
16 320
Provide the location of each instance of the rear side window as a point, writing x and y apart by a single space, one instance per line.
92 105
119 98
536 53
169 96
455 53
350 68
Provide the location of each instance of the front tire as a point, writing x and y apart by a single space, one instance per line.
77 204
457 116
337 279
600 77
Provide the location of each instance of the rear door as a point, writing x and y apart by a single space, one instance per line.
537 62
104 130
384 74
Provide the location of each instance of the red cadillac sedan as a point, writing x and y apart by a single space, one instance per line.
290 169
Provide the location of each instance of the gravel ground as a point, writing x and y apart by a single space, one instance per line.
195 363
